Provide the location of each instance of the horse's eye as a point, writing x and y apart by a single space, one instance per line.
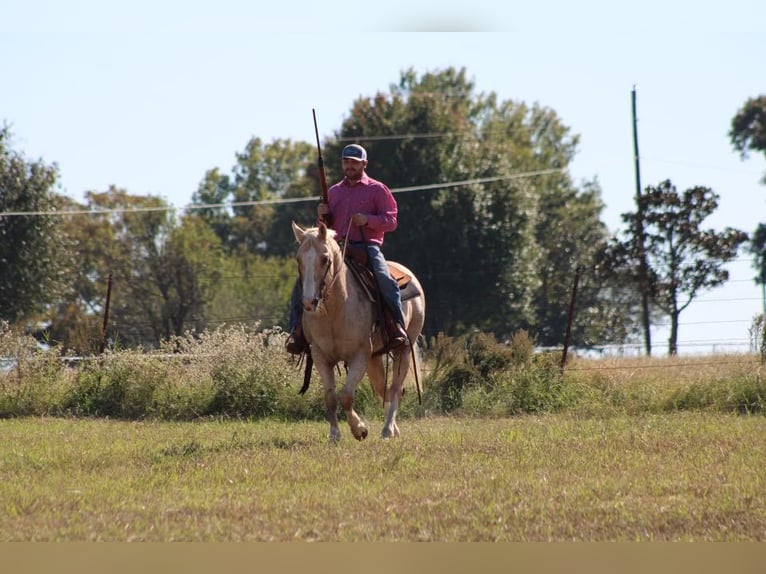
325 260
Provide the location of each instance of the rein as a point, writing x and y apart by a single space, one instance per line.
324 288
345 243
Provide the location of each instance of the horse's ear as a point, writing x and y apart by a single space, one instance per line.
298 232
322 231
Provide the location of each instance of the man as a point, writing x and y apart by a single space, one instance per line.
361 210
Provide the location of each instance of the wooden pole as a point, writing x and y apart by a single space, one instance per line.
643 266
568 334
106 314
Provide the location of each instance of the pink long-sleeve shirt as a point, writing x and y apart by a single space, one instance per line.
368 196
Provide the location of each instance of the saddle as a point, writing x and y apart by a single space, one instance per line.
356 259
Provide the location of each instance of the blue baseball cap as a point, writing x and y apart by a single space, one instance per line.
354 151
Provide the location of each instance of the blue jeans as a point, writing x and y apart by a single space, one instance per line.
388 287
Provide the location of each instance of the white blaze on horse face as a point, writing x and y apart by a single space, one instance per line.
311 283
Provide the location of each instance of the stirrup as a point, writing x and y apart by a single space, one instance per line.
296 343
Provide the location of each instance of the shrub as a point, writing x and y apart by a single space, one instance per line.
745 395
477 375
33 379
235 372
120 385
230 372
538 387
243 373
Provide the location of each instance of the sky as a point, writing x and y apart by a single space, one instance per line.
150 95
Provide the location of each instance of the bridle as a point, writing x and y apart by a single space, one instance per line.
324 287
320 297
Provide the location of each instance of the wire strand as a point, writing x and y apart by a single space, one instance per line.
232 204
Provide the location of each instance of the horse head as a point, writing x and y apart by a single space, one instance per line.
319 260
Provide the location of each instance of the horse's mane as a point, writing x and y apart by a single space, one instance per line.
316 234
315 231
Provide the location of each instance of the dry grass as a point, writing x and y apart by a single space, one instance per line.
682 477
733 383
662 370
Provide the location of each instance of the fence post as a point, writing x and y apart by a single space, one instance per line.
106 314
570 319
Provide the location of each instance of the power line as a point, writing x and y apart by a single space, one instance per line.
402 136
691 164
272 201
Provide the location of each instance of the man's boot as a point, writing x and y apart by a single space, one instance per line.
395 333
398 338
296 342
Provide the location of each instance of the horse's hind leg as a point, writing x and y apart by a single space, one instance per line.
376 372
394 394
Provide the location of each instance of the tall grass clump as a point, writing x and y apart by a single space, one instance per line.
231 372
743 393
33 380
244 373
637 385
124 385
476 375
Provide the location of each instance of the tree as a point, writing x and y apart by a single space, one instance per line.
264 172
187 275
748 128
174 268
683 258
748 133
32 256
253 290
165 271
74 319
757 248
486 250
569 232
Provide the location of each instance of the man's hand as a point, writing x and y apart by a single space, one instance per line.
359 219
323 211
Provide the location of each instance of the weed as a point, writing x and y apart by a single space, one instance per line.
240 373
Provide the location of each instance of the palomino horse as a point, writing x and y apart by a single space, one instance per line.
339 323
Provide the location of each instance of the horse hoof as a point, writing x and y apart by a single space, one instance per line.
390 432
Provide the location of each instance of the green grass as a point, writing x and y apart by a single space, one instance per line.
243 374
207 439
682 477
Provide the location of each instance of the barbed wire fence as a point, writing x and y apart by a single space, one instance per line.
746 322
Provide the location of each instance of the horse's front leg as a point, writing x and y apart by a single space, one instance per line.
327 374
356 369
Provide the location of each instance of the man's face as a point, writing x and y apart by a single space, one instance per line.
353 168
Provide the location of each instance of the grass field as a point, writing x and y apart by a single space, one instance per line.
208 440
682 476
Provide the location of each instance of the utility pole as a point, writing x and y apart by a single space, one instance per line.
643 266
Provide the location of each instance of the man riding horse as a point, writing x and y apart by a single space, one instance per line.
361 210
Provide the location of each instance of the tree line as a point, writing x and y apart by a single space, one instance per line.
492 224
